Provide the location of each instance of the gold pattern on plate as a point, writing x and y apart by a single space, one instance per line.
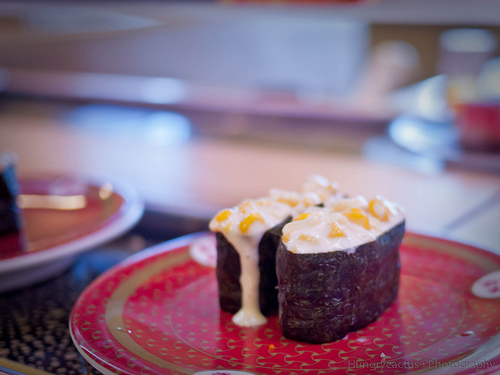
456 249
116 304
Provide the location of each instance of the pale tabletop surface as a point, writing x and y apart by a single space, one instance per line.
199 176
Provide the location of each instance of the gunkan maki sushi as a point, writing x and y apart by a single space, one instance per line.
338 268
247 238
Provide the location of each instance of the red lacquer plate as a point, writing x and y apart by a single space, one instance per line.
64 215
158 313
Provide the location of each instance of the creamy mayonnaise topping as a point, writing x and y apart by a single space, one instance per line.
245 224
343 224
326 190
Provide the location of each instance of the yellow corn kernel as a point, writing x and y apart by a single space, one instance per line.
342 206
290 201
353 213
223 215
332 187
379 209
246 222
302 216
286 237
309 237
336 231
264 202
244 206
356 216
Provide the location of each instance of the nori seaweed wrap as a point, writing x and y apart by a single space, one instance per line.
10 223
229 271
247 238
325 295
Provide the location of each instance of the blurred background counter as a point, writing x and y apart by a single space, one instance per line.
181 169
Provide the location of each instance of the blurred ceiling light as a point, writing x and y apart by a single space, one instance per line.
52 202
468 40
160 90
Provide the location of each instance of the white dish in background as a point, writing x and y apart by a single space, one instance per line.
439 141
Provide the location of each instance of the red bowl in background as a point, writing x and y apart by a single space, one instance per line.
478 124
